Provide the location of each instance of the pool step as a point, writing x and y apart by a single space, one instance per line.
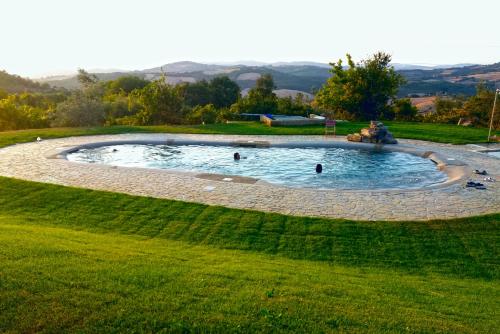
227 178
251 143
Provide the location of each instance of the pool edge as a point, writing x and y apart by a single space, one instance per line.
456 170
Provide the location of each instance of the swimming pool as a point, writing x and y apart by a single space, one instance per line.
496 154
292 167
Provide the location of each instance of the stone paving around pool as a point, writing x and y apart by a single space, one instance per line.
38 161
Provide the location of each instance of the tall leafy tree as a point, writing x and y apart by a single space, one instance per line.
361 91
261 99
85 78
196 94
263 87
126 84
203 114
161 103
12 115
79 109
404 110
224 92
478 107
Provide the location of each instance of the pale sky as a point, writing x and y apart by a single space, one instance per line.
51 36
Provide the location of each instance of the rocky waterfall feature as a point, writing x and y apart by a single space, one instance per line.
377 133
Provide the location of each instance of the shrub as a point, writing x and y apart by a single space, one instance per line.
203 114
404 110
79 110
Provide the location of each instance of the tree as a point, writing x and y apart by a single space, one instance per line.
363 90
11 116
126 84
79 109
161 103
118 107
224 92
226 114
448 110
196 94
264 87
297 106
15 115
86 79
203 114
260 99
404 110
478 107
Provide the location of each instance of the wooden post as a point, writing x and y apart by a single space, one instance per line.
493 112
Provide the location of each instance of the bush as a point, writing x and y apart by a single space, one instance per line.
160 103
15 116
79 110
404 110
297 106
202 114
126 84
226 114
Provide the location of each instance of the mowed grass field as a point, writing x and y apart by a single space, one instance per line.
442 133
75 260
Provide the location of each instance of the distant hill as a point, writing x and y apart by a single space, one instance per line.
450 81
309 77
402 67
71 82
16 84
285 93
189 67
424 105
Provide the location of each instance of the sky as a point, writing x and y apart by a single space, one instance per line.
57 36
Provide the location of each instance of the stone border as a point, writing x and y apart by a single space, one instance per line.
40 161
456 170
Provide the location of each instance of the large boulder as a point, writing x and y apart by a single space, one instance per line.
354 137
376 133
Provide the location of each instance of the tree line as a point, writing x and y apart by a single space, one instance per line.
131 100
367 91
359 91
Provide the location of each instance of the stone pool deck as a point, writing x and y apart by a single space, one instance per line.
40 162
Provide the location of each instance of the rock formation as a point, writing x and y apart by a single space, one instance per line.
376 133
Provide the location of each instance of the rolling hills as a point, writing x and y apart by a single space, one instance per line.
298 76
15 84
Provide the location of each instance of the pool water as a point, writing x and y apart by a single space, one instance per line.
293 167
496 154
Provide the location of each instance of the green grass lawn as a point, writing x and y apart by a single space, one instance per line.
442 133
75 260
78 260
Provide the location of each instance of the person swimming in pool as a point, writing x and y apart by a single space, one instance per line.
237 156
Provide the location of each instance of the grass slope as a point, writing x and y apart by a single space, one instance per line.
58 280
443 133
82 260
461 247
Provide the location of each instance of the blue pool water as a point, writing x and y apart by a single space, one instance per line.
293 167
496 154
